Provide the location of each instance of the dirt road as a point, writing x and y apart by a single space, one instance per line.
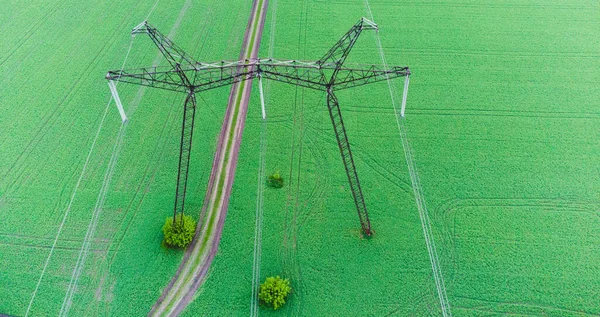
199 256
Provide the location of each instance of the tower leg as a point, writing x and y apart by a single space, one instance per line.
404 95
342 139
187 130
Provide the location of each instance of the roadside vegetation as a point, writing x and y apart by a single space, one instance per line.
274 291
179 233
275 180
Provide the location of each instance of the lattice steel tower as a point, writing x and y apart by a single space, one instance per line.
328 74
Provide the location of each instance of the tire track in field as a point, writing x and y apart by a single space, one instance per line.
31 31
418 192
284 247
78 181
159 154
317 154
153 168
67 211
201 252
13 238
46 125
386 174
507 113
259 221
317 193
90 232
303 211
368 159
4 134
293 266
297 210
48 247
289 250
95 215
257 256
490 310
52 116
83 252
67 301
449 208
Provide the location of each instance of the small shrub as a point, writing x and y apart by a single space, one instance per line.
274 291
275 180
181 234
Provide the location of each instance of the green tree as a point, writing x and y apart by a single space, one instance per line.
274 291
275 180
179 233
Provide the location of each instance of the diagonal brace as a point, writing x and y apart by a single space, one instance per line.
173 53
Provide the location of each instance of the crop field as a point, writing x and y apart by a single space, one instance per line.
55 63
500 142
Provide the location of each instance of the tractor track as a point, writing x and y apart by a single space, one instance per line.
149 174
199 255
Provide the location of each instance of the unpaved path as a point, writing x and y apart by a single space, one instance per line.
201 252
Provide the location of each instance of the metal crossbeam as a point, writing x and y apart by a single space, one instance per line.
170 79
216 75
327 74
350 78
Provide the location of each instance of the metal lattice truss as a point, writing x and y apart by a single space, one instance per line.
206 76
184 74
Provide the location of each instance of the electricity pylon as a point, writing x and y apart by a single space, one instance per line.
328 74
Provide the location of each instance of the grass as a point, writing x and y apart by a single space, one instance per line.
227 156
503 144
501 118
54 111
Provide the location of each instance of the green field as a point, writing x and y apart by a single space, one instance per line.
501 119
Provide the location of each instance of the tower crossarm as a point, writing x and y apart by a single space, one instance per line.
200 78
156 77
312 75
214 75
305 74
353 77
206 76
